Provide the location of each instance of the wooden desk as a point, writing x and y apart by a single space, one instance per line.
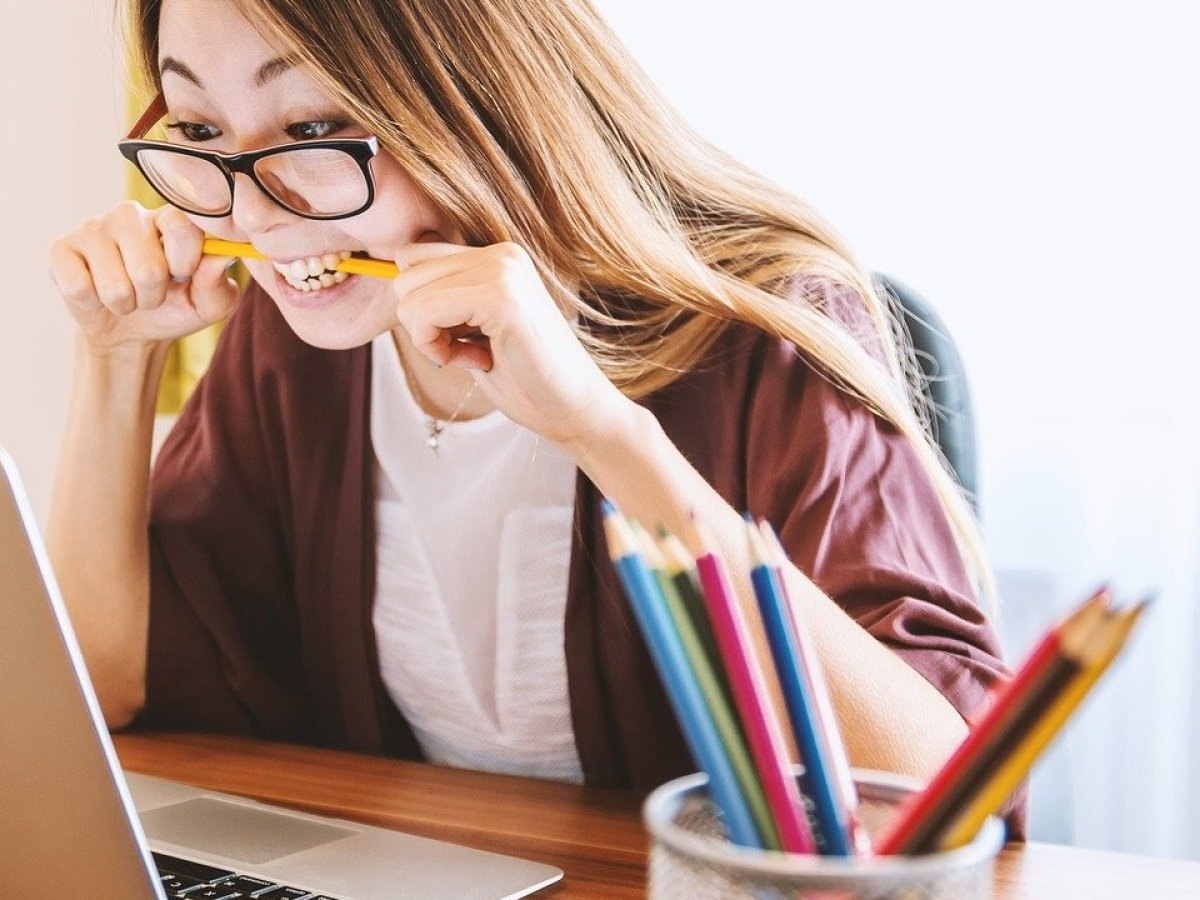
593 835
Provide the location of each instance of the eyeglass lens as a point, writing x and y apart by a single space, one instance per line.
318 181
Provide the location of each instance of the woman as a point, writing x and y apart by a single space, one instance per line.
376 524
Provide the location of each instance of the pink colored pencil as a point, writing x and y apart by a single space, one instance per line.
763 731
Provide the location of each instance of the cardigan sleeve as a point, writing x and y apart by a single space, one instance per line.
859 515
222 647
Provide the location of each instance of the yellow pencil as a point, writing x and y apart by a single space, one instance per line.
1106 641
375 268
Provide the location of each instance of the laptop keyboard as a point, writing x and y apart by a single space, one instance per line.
183 879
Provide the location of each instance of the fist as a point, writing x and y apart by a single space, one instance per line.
136 275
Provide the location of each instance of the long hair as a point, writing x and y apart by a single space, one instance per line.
528 121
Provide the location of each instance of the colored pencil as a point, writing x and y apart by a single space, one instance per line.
666 651
829 824
682 569
828 730
763 731
724 716
925 814
375 268
1102 647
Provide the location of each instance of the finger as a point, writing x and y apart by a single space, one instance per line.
182 243
70 275
214 294
461 346
470 354
107 270
448 261
145 265
417 252
431 313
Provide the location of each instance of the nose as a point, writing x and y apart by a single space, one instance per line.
253 211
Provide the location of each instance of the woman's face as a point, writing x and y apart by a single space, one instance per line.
212 63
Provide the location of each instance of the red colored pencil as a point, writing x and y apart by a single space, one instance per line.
919 816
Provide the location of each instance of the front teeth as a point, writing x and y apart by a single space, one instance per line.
313 273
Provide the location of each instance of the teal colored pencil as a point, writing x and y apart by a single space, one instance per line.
678 681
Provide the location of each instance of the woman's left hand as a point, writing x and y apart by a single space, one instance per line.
486 309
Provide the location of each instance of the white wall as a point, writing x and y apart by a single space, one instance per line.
1031 168
58 164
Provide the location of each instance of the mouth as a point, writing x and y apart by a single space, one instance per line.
314 273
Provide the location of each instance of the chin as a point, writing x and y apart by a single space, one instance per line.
342 317
325 337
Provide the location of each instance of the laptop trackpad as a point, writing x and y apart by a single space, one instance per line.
235 831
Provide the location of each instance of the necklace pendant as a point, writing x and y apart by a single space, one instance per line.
435 428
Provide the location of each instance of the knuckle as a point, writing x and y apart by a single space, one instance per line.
129 210
75 289
117 298
511 262
91 227
147 276
173 219
509 252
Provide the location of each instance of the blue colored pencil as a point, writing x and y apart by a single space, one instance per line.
666 649
829 822
828 730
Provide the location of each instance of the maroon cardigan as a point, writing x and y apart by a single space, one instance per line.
262 537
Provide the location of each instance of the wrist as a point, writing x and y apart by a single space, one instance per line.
128 355
122 368
610 432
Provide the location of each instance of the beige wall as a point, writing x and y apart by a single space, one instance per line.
61 115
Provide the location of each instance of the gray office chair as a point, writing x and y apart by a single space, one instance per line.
953 419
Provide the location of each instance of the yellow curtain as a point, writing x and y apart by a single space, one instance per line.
188 358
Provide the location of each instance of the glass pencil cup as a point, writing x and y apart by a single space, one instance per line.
691 859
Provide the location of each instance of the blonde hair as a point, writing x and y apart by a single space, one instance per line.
527 121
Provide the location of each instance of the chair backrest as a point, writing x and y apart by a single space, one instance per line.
952 416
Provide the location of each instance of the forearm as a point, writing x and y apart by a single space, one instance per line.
97 535
891 717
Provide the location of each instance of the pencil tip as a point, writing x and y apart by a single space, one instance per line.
758 549
1137 609
607 507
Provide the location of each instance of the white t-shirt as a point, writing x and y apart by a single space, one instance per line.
474 548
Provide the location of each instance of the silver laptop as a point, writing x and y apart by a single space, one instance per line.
73 825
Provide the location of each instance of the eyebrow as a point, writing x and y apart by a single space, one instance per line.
266 72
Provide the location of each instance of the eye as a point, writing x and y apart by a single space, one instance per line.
193 131
314 131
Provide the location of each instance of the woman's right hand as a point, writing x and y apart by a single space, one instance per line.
136 276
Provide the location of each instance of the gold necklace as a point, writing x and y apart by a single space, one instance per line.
433 425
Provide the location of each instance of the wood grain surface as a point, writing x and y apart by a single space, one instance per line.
594 835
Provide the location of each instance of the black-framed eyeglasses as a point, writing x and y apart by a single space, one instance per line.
322 179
